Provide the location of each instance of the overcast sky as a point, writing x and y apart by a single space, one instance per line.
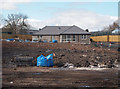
87 15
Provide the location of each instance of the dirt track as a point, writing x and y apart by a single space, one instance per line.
36 76
79 55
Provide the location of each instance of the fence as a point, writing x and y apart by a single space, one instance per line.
106 38
20 36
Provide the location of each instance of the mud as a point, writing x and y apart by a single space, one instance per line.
52 78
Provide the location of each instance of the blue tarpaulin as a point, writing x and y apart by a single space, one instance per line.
54 41
45 61
10 39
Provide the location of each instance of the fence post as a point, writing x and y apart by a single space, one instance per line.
107 38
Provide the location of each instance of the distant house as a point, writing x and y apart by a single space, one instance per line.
62 34
31 32
116 31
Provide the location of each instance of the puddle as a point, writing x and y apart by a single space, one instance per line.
36 73
88 68
61 68
78 68
106 79
84 86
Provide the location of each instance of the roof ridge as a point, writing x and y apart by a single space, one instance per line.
81 29
66 29
43 27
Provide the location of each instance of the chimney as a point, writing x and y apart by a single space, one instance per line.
87 30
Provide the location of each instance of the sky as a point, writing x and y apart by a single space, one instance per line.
94 15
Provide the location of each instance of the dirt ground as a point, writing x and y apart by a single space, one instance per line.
54 77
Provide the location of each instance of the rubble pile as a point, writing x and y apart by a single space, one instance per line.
66 54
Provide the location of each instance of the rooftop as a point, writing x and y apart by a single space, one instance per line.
57 30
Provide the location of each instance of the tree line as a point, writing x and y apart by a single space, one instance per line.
107 30
16 23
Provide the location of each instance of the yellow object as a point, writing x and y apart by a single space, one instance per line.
106 38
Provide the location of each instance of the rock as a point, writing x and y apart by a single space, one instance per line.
40 51
15 68
77 65
69 65
98 57
59 58
84 55
92 66
94 63
12 60
111 65
75 51
62 55
60 64
102 66
48 50
87 64
11 82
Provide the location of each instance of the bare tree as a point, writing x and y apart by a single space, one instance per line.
1 20
17 23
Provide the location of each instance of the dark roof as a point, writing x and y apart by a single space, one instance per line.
33 30
57 30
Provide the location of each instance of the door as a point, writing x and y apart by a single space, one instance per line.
53 38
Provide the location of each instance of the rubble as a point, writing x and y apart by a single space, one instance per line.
11 82
78 55
23 60
79 71
68 65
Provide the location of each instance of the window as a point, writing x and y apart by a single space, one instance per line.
84 37
73 38
53 37
63 37
68 37
40 37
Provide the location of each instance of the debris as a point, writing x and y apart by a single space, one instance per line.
10 40
48 50
84 55
45 61
98 58
110 66
23 60
61 55
68 65
110 45
23 53
118 49
60 64
44 41
87 64
11 82
54 41
102 66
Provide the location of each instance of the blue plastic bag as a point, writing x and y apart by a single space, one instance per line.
50 60
10 39
54 41
45 61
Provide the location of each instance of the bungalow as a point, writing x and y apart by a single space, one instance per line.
62 34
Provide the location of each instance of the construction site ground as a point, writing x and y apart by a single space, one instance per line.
82 76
